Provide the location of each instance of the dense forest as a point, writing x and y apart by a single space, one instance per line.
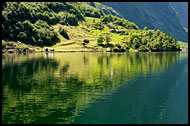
32 23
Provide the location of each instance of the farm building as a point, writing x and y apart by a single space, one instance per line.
110 25
117 31
129 28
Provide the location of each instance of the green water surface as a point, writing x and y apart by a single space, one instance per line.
95 88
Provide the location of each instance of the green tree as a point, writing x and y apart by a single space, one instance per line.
3 44
100 40
145 28
136 43
63 33
22 36
99 25
108 18
108 39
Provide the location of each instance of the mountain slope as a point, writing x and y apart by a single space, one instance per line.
106 9
75 26
181 9
31 22
155 15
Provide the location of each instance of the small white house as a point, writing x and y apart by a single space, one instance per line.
51 49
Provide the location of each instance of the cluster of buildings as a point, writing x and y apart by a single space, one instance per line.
113 30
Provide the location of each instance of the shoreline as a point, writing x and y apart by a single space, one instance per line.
6 52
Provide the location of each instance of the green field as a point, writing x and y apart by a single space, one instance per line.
77 34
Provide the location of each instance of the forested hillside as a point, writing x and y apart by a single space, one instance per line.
65 26
30 22
170 17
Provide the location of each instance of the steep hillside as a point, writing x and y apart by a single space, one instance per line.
31 22
156 15
181 9
106 9
76 26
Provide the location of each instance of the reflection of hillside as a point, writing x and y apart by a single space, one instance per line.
56 90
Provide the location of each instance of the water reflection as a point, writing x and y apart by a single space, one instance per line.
57 87
49 55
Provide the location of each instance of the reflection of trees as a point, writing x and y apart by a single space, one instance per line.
13 58
14 75
47 91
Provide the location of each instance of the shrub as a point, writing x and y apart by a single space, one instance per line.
108 39
99 25
143 48
100 40
63 33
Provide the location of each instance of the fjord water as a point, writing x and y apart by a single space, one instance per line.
96 88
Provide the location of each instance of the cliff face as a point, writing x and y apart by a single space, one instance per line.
181 9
